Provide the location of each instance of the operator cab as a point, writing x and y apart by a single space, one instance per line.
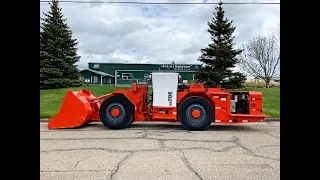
179 78
180 85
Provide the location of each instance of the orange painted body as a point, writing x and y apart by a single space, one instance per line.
81 107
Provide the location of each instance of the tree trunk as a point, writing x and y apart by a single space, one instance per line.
267 83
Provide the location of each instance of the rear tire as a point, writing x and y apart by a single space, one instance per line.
205 112
124 116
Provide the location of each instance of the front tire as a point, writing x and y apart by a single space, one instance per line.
196 114
116 112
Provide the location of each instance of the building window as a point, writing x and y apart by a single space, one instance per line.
193 76
94 79
82 78
96 66
146 76
127 76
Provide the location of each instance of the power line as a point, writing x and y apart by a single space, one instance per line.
158 3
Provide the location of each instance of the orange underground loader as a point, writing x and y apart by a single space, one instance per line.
193 105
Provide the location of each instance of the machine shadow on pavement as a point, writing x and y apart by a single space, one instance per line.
168 126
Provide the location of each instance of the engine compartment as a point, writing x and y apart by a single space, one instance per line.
240 103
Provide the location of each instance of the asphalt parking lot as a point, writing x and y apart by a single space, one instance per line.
161 151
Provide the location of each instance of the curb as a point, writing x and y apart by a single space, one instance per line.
265 120
271 119
44 120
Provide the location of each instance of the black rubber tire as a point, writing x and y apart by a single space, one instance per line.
126 112
201 123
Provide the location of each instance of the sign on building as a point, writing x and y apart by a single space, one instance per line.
179 67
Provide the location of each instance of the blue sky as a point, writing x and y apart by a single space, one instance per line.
158 34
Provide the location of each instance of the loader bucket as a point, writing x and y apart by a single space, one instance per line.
76 110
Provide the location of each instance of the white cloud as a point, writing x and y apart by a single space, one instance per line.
157 34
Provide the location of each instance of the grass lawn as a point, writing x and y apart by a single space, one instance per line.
50 100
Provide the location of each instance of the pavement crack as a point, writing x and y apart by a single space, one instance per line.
143 137
268 133
237 142
59 171
141 132
273 145
227 148
265 157
86 149
161 144
271 135
187 163
163 149
250 152
113 173
82 160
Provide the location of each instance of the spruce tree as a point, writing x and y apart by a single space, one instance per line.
220 56
58 52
